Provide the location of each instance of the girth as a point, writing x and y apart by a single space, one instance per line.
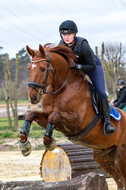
86 130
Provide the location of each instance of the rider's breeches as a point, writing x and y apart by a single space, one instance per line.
97 78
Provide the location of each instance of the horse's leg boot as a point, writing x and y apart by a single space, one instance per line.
49 130
25 145
108 127
49 142
26 127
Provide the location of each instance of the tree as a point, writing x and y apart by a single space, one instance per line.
2 69
24 59
15 94
114 63
7 90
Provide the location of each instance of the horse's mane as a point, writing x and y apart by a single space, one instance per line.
66 52
61 49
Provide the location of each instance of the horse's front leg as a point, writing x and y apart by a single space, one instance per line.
41 118
70 119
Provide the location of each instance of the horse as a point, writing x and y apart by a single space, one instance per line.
68 107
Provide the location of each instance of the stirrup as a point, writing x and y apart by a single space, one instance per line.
107 133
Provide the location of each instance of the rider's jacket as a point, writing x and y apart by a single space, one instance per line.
84 54
121 97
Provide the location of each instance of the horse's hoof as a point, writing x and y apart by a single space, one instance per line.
25 148
50 146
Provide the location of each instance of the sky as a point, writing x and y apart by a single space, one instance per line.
34 22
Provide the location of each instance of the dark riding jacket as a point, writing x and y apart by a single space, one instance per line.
121 97
84 54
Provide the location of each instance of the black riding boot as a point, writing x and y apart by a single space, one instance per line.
108 128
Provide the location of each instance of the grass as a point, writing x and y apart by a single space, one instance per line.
36 131
19 101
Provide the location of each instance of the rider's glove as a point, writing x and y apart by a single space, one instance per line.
77 66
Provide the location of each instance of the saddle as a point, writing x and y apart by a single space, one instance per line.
96 102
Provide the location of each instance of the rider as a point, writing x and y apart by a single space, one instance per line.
120 102
89 63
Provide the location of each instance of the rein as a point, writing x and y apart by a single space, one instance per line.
34 85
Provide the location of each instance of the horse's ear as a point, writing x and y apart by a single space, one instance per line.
41 49
30 51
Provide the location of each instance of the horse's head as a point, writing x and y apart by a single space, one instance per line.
48 67
41 73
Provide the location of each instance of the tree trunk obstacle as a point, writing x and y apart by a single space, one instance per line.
68 161
91 181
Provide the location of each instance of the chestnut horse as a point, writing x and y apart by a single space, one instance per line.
68 107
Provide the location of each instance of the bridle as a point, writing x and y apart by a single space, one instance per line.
35 85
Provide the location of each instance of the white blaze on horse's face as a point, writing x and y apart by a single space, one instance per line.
34 66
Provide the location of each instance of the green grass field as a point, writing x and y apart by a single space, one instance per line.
36 131
19 101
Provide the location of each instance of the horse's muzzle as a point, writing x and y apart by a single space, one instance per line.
33 97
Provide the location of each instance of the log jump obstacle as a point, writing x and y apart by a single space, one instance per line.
68 161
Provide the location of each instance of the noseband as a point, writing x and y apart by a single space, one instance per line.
35 85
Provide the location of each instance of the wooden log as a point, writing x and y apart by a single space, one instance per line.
68 161
90 181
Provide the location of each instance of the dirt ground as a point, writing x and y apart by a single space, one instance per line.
15 167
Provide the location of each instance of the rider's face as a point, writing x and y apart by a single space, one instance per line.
121 86
68 38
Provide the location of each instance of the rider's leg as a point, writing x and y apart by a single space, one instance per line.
97 78
108 128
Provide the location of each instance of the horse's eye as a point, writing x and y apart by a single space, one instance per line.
43 69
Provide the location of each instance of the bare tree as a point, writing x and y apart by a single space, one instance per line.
113 62
7 90
16 95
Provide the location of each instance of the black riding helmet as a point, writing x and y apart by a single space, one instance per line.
68 27
121 82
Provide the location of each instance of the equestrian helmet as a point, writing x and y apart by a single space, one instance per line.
121 82
68 27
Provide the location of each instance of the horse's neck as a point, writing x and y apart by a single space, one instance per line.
79 83
61 73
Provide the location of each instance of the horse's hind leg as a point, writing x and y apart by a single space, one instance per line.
107 163
121 162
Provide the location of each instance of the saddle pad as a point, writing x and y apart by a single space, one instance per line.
115 114
97 104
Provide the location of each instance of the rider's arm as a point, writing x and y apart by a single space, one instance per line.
89 58
121 98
